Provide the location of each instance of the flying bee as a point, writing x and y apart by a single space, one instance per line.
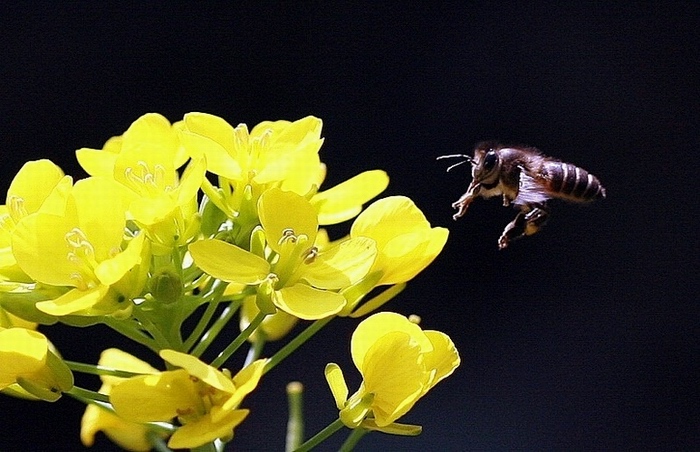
525 178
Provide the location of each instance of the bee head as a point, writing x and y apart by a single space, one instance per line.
486 163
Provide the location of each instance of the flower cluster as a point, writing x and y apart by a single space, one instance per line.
204 221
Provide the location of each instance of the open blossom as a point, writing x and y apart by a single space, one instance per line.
203 399
399 363
274 154
145 160
38 184
129 435
406 243
79 245
304 281
280 154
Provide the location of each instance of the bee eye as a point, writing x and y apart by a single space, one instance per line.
490 160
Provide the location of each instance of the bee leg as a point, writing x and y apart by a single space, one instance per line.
463 202
513 230
535 219
525 223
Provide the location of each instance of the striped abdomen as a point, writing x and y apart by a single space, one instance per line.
571 182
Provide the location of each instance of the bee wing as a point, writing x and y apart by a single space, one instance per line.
530 191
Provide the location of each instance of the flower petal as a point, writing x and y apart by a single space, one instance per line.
197 368
246 380
158 397
112 270
444 358
40 239
405 240
31 186
342 265
198 433
274 326
345 200
76 301
392 370
307 303
22 352
121 360
228 262
213 137
373 328
281 212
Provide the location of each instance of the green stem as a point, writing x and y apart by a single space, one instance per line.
126 328
219 324
86 396
321 436
296 343
161 341
201 324
256 349
353 438
295 423
233 346
99 370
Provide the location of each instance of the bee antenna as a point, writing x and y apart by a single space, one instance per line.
466 158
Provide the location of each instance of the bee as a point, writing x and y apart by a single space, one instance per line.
525 178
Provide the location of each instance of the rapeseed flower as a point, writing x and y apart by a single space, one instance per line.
128 435
203 399
304 280
80 246
145 160
399 364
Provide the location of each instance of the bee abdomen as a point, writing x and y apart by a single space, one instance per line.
573 183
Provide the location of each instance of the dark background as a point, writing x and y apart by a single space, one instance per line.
582 337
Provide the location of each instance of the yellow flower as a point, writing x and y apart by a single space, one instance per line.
28 366
38 184
150 133
81 247
406 243
399 364
145 160
204 399
128 435
303 279
280 154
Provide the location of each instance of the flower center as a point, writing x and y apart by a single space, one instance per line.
146 181
81 254
16 207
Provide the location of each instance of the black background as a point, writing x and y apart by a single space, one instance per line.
582 337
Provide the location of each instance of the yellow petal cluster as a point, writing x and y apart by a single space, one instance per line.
202 398
78 244
399 363
406 242
183 227
128 435
145 161
305 281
